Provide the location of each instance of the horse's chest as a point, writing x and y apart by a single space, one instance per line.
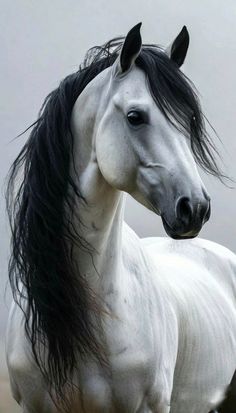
120 387
130 383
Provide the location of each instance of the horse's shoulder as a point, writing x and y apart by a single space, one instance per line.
18 350
26 380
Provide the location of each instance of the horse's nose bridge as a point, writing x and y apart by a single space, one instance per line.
186 182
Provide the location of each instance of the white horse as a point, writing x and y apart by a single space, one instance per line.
105 321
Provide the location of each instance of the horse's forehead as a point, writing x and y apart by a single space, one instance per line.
133 85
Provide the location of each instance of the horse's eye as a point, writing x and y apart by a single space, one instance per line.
135 118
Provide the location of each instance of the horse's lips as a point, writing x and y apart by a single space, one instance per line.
173 234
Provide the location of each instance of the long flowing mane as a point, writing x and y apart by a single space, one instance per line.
45 281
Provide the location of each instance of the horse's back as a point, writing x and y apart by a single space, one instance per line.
199 278
209 257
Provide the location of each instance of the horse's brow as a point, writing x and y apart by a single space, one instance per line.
127 104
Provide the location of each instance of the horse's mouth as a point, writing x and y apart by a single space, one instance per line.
176 234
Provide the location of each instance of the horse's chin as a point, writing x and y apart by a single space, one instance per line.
177 235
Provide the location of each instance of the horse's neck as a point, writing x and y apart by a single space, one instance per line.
102 219
102 214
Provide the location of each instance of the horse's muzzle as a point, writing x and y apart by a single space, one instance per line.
189 218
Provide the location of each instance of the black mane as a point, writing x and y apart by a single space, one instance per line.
41 269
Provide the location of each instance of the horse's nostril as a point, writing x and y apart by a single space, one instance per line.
206 212
184 210
189 213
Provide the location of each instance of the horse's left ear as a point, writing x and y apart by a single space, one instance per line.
131 48
177 51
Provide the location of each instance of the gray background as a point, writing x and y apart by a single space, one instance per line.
43 41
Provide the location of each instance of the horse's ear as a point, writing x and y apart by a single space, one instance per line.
131 48
178 49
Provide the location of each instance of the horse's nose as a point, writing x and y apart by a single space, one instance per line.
192 214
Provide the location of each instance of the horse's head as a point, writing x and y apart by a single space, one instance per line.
151 131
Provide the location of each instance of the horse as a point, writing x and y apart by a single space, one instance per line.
103 321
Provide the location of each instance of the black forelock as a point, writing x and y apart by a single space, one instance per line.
176 97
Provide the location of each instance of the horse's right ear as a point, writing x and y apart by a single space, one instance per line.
130 49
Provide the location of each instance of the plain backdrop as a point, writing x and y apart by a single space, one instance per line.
43 41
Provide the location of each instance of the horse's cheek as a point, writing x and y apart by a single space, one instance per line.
116 161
